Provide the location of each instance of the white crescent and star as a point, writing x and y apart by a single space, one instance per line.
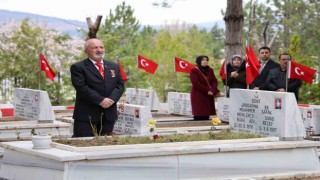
43 62
144 63
298 71
183 65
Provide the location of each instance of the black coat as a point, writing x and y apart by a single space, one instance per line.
260 81
91 89
277 80
237 82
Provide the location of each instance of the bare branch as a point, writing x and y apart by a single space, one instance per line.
273 38
255 36
265 33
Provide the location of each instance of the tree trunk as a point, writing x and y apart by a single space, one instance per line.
234 23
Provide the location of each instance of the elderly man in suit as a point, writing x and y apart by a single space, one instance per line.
99 86
266 63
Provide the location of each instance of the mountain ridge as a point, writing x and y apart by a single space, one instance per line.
71 27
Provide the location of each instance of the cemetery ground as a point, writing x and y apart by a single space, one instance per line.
184 122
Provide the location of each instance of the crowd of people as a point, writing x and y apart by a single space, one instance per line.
99 86
272 77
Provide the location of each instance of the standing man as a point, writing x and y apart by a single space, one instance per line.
99 86
277 77
266 64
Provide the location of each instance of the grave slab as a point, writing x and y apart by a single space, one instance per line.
33 104
142 97
266 112
223 159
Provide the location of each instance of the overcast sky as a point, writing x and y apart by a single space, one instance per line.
190 11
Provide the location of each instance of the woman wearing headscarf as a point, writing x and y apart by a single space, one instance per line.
204 88
236 74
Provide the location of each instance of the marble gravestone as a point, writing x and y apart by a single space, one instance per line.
223 108
311 117
179 103
30 104
143 97
132 119
265 112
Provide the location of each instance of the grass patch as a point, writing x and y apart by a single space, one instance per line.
121 140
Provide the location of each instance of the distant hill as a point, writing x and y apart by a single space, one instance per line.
63 25
69 26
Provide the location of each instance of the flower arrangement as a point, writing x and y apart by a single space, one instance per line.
152 129
215 121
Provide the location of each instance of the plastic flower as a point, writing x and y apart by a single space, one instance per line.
215 121
152 122
152 129
156 136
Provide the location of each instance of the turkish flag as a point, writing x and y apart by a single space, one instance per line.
183 65
299 71
123 74
46 68
147 64
223 68
252 65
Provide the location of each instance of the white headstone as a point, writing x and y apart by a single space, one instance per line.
266 112
223 108
143 97
33 104
179 103
163 108
132 119
311 117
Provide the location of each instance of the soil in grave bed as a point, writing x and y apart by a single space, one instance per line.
121 140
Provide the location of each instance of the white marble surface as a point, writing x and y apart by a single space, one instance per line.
143 97
31 104
179 103
266 112
311 117
132 119
196 160
223 108
11 129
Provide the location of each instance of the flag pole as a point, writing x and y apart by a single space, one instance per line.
175 73
247 44
287 73
39 75
225 70
138 71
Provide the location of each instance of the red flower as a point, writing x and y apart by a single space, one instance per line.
156 136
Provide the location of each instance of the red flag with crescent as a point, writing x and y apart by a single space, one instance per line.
147 64
46 68
299 71
183 65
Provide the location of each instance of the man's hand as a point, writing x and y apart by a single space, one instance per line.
210 93
107 102
256 88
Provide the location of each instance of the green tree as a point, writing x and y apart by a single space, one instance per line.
20 47
119 31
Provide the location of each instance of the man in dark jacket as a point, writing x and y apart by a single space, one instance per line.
266 63
277 78
99 86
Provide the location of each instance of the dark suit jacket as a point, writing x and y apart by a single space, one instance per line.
92 89
277 79
260 81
